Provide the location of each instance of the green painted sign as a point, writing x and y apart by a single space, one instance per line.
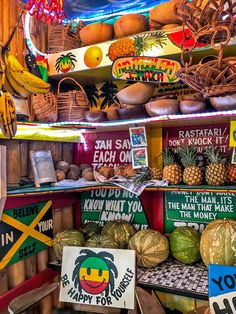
25 231
107 205
196 209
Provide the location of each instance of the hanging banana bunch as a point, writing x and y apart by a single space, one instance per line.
17 81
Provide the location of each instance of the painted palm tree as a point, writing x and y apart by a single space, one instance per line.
108 92
92 94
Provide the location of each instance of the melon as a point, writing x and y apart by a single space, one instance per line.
121 231
67 238
101 241
184 245
218 243
89 229
152 248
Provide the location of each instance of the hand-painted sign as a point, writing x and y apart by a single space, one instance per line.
222 289
232 141
196 209
25 231
98 277
107 205
146 69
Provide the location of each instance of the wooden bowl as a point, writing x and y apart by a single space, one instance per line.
222 103
95 116
161 107
132 113
194 103
96 33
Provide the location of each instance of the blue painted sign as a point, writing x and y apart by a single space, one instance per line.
222 289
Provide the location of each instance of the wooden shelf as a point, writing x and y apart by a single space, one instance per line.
30 191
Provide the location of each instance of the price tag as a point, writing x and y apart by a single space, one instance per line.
222 289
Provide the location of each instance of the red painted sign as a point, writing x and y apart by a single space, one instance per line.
199 136
104 149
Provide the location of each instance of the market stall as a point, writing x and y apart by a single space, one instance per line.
118 159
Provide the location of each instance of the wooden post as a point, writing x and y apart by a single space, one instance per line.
3 281
67 152
24 159
16 274
67 217
56 150
30 266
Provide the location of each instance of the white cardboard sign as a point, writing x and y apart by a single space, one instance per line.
103 277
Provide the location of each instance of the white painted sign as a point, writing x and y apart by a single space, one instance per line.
222 289
98 277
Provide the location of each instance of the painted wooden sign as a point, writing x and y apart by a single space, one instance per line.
196 209
146 69
222 289
103 205
25 231
98 277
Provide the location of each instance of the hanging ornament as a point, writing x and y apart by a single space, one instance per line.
52 10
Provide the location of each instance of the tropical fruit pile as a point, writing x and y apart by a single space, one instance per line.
182 166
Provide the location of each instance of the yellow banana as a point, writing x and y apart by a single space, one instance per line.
23 77
2 73
8 122
19 89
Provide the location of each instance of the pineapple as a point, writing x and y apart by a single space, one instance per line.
136 45
192 174
172 171
156 174
231 173
215 171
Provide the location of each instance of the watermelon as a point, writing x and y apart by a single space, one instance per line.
67 238
89 229
120 230
104 241
218 243
184 245
152 248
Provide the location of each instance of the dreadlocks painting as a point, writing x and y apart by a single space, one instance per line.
94 272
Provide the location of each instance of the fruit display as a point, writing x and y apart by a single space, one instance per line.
152 248
163 14
171 171
192 174
121 231
230 173
156 173
66 238
215 170
130 24
184 245
89 229
7 115
102 241
218 243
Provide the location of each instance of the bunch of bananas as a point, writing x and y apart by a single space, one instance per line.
19 81
15 81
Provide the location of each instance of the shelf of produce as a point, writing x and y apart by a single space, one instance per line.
82 62
177 278
72 131
47 190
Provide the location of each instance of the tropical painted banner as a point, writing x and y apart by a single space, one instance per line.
100 277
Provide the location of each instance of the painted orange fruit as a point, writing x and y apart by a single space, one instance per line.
93 56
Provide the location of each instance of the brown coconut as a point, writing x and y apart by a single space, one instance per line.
74 172
164 13
106 171
60 175
63 165
87 174
136 94
130 24
96 33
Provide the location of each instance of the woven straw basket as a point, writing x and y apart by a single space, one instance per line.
44 107
73 104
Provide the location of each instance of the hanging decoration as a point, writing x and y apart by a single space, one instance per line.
51 10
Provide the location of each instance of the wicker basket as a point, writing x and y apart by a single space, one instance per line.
73 104
213 78
62 38
44 107
209 21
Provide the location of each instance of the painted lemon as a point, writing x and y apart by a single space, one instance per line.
93 56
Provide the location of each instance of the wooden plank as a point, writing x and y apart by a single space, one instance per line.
147 304
16 274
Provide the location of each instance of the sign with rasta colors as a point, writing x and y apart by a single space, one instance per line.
222 289
232 141
107 205
25 231
98 277
146 69
196 209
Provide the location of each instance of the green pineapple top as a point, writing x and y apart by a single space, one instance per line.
168 157
188 155
213 155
